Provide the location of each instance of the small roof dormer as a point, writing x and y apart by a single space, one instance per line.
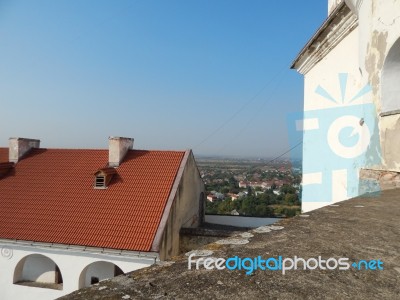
103 177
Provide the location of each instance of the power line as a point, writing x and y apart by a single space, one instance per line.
253 118
295 146
240 109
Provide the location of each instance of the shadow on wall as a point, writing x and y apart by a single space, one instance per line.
98 271
38 270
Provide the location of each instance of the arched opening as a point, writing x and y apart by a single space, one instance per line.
98 271
37 270
390 81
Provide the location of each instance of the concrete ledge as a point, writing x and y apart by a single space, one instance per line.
386 179
359 229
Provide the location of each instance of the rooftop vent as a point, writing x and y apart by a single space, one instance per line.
103 177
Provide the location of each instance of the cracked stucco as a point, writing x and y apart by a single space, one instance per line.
376 53
381 32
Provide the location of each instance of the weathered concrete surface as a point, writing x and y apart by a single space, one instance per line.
361 228
194 238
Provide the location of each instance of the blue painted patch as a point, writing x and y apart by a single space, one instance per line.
345 123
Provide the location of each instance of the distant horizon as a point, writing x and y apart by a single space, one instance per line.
246 157
197 155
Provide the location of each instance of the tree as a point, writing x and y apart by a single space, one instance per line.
262 210
249 191
225 190
290 212
290 199
211 207
287 189
248 206
225 206
234 190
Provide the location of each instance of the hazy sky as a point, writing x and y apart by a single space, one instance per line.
208 75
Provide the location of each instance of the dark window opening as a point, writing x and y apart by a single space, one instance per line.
94 280
117 271
100 181
36 270
58 276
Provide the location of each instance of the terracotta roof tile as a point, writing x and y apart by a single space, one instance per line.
50 198
3 155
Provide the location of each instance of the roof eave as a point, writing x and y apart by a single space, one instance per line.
325 25
79 248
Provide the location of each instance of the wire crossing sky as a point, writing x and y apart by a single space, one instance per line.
211 75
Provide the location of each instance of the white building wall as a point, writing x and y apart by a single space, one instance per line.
102 270
70 262
187 209
369 55
324 184
366 61
332 5
379 31
38 268
341 59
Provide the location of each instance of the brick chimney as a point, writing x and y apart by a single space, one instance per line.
18 147
117 149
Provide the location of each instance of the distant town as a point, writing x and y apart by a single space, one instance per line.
251 187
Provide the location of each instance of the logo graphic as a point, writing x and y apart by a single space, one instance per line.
251 264
6 252
340 136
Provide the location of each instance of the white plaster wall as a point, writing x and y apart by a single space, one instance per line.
363 55
379 30
39 268
332 5
185 210
376 17
71 264
341 59
102 270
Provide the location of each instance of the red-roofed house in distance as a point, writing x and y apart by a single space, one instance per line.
73 217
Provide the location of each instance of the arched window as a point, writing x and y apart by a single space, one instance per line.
37 270
390 82
97 271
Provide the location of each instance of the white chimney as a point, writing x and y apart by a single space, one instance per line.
18 147
117 149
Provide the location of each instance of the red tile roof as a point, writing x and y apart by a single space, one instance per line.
50 198
3 155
